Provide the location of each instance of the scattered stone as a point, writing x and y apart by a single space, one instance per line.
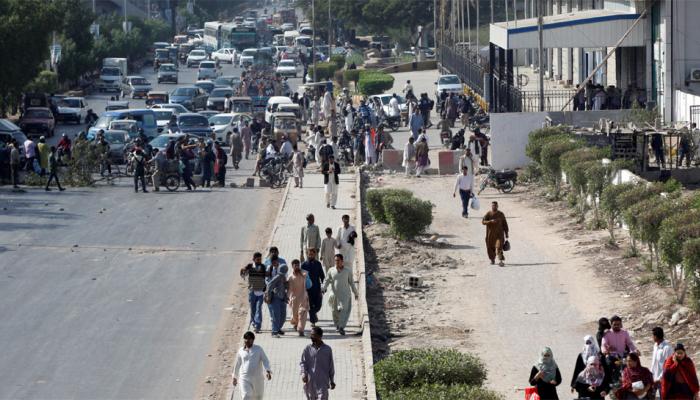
75 245
60 209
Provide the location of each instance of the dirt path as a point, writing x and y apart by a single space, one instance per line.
545 296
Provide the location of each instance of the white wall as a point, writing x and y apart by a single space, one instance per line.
509 133
682 103
685 54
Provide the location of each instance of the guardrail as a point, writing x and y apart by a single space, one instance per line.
470 72
367 355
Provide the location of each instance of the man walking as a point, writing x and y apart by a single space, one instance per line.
314 269
331 170
415 123
14 164
662 351
255 272
341 281
246 135
345 237
236 148
220 164
250 362
496 233
139 170
464 183
310 236
53 170
276 297
159 166
409 156
30 153
298 297
317 369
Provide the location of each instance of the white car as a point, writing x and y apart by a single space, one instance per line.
287 26
207 70
449 83
223 124
246 57
287 68
385 98
163 119
195 57
72 109
228 55
177 109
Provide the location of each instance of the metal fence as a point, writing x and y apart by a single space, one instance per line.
469 71
554 100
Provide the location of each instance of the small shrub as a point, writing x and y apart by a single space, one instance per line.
443 392
408 216
532 173
324 71
540 137
611 207
355 58
551 162
375 202
374 83
420 367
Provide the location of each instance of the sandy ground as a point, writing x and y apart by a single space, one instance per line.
546 295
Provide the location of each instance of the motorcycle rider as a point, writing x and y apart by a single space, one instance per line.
91 117
408 89
394 110
64 146
365 113
458 140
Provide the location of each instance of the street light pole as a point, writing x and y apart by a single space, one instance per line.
330 34
313 38
540 54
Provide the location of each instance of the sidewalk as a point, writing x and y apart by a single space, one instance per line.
285 352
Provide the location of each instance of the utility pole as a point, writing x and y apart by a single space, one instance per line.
477 27
540 8
313 38
330 30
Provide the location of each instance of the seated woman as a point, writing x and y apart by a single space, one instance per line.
636 380
592 382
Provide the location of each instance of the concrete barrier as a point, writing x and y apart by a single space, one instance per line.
448 162
392 158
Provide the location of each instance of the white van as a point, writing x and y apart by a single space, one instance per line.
290 108
272 105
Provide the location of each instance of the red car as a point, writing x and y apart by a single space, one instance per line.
38 121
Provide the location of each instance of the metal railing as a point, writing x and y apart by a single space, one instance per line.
554 100
469 71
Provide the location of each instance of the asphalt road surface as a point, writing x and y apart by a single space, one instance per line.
111 294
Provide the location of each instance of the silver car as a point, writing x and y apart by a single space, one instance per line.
207 70
139 86
167 73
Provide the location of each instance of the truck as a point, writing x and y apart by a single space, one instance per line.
112 74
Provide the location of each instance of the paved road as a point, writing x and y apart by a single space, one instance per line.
123 302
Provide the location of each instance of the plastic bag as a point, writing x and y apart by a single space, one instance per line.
531 393
475 203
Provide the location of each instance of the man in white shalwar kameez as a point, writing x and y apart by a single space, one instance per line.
341 281
251 362
342 237
327 108
370 153
315 110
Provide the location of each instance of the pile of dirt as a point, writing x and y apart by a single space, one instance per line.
403 315
653 303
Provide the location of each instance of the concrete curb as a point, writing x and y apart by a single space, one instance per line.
230 388
367 355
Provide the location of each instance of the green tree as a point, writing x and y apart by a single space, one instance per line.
675 232
691 263
25 29
611 206
551 163
540 137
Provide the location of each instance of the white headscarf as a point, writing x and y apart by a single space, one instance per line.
593 374
590 347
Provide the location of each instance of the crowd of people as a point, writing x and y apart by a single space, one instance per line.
324 268
610 363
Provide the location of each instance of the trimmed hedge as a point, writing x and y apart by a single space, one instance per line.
375 202
324 71
374 82
443 392
338 60
351 75
407 217
422 367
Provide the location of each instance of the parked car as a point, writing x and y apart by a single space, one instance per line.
207 70
191 97
207 113
129 126
72 109
116 105
138 86
192 124
145 118
38 121
449 83
9 131
217 98
205 85
385 98
161 141
167 73
117 140
195 57
287 68
223 124
226 55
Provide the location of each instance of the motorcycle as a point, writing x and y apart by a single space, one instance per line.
274 171
503 181
91 117
393 122
310 153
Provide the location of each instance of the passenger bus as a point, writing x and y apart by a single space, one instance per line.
212 36
238 36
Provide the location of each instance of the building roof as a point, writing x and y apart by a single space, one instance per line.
582 29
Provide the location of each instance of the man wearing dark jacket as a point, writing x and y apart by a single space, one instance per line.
315 272
331 170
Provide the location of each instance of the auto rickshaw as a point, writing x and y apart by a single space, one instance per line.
285 124
242 104
157 97
161 56
183 50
